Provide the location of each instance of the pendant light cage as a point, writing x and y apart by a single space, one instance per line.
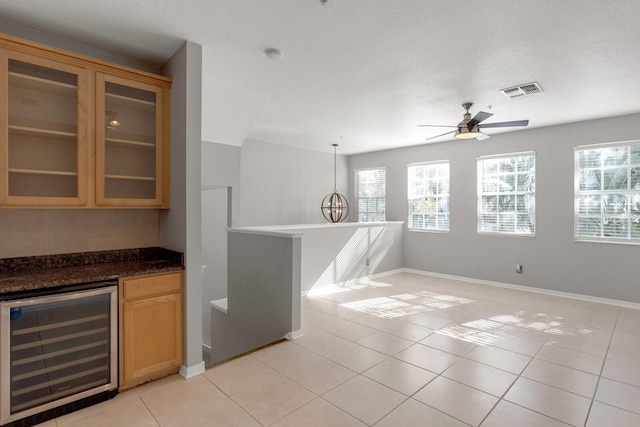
335 206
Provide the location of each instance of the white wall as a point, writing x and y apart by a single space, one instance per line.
551 260
285 185
338 253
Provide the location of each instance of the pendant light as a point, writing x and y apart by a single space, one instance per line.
335 206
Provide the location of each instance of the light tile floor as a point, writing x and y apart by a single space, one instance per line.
410 350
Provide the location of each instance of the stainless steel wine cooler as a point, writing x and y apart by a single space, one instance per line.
57 351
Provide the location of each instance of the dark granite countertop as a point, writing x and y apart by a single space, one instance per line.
50 271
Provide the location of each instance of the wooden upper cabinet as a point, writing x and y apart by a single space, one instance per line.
45 132
80 132
130 155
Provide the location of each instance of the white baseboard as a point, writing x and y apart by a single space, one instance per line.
294 335
206 353
191 371
387 273
582 297
372 277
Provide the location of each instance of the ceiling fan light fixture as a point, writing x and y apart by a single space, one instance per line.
463 132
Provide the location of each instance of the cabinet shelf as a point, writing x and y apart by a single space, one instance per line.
55 368
41 84
131 177
68 350
42 172
28 130
130 143
117 100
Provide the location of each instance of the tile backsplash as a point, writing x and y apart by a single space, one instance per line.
27 232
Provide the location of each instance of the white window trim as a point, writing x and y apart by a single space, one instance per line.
479 196
576 188
428 230
606 145
355 191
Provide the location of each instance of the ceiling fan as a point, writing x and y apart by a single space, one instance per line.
470 128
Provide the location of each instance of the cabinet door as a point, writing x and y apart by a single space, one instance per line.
129 143
44 131
152 329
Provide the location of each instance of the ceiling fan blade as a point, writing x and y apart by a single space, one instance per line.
482 137
504 124
481 116
442 134
438 126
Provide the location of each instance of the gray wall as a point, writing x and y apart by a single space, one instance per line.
221 168
285 185
264 294
180 226
552 260
220 177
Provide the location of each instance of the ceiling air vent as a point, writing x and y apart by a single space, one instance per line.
522 90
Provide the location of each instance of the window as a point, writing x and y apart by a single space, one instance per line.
370 194
507 194
607 192
428 196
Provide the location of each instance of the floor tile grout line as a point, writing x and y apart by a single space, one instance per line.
501 398
239 405
604 361
388 357
155 419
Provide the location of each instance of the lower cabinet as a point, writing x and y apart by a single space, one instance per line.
151 327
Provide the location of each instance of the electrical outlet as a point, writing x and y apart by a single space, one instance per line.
519 268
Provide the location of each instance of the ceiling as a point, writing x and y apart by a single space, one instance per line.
364 73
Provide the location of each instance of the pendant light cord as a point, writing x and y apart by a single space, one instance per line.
335 185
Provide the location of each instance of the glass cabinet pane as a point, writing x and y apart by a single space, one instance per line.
42 131
130 142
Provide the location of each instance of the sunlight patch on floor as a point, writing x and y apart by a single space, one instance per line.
482 331
404 305
351 285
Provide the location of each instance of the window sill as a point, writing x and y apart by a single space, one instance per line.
615 242
425 230
512 235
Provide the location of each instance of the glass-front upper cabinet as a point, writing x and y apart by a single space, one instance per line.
129 143
43 132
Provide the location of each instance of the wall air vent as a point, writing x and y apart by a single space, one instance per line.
522 90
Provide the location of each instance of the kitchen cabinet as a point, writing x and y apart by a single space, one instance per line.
151 327
129 143
79 132
44 126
